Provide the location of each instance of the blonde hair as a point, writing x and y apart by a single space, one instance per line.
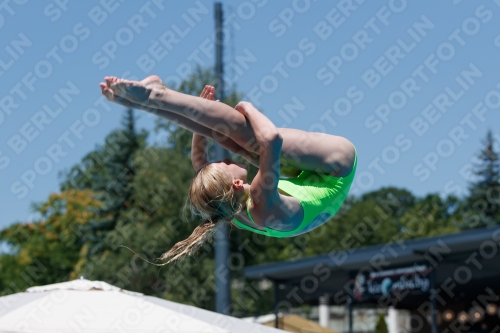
213 199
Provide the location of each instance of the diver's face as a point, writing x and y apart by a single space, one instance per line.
237 170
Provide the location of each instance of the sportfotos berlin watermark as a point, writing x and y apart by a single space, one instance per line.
294 58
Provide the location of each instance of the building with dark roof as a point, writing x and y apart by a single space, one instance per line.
448 283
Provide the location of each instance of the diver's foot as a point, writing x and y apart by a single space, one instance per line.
136 91
110 95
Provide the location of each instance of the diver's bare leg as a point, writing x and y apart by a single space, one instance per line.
217 116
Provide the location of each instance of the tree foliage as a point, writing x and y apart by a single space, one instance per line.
46 251
109 172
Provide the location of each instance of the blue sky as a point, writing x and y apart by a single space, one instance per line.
413 84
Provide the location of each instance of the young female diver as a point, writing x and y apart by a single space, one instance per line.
220 193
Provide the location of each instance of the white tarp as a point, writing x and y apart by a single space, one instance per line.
83 306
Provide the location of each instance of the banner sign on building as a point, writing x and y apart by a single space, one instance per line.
392 282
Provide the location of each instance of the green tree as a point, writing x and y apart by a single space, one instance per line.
381 326
157 220
373 218
109 172
482 206
46 251
431 216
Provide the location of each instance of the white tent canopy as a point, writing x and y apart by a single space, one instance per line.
83 306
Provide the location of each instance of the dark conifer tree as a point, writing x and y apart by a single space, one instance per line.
109 171
483 202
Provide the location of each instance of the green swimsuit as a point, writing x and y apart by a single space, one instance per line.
320 196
